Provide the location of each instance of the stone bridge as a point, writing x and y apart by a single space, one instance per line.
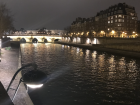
38 38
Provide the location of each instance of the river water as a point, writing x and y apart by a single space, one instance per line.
79 76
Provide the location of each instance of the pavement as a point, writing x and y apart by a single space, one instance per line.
10 62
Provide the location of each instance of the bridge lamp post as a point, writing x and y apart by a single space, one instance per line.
33 78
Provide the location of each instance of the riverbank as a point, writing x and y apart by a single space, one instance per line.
99 47
10 62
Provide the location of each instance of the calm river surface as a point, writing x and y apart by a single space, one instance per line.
83 77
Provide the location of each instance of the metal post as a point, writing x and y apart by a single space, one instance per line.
16 90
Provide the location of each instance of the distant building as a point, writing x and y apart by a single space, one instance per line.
40 31
119 20
138 28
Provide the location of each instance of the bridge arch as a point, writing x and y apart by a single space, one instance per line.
22 40
35 40
11 39
45 40
56 40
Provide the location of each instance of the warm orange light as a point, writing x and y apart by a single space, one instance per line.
113 31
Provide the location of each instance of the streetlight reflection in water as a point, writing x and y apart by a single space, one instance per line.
78 73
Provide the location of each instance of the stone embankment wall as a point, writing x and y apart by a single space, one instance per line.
135 47
99 40
117 40
125 49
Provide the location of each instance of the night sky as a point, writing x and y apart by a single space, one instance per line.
57 14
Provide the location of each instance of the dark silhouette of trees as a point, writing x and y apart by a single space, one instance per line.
67 29
6 20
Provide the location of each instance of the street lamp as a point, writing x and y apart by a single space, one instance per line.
113 32
33 78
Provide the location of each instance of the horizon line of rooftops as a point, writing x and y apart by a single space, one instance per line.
38 30
107 12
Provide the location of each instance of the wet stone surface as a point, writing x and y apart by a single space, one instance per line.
82 77
8 66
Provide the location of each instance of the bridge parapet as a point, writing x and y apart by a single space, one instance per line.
29 38
36 35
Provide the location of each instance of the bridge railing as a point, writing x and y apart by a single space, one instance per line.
35 35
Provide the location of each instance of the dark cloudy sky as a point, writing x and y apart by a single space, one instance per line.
57 14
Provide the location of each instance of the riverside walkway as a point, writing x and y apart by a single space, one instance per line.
10 62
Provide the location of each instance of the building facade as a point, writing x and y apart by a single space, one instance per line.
119 20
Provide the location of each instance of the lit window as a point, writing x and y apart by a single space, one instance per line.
132 14
120 20
111 17
108 21
115 20
115 16
120 16
119 24
133 17
111 21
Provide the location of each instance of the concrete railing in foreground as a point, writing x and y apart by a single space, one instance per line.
4 97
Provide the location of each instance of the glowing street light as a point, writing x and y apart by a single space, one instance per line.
113 31
34 86
33 78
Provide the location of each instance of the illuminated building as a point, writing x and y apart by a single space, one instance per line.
119 20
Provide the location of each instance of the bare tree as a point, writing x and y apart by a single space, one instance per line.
6 20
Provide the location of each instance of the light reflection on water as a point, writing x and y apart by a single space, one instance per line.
83 77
